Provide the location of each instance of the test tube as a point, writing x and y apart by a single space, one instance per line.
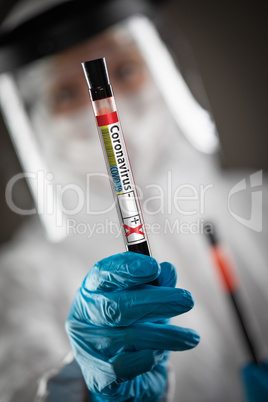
116 156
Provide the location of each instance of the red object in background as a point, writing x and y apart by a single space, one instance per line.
224 266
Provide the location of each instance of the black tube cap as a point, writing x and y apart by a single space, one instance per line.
97 79
96 73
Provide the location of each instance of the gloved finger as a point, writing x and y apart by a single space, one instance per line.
129 365
162 337
168 278
146 303
122 271
168 275
111 341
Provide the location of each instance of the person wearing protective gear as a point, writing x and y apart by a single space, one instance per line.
179 186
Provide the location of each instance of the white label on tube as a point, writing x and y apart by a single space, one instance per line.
118 164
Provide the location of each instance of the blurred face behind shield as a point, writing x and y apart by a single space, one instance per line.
58 102
145 80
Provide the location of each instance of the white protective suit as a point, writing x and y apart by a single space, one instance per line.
38 279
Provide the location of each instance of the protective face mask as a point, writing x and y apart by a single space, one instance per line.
71 143
146 124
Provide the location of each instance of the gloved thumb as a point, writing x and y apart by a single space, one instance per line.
168 275
129 365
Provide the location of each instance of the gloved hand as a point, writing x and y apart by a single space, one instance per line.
119 331
256 382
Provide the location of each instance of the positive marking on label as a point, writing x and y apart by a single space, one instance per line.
131 230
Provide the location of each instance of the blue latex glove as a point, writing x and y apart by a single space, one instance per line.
119 331
256 382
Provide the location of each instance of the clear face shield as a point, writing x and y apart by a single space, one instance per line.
47 109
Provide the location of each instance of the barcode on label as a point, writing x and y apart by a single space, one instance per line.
108 145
